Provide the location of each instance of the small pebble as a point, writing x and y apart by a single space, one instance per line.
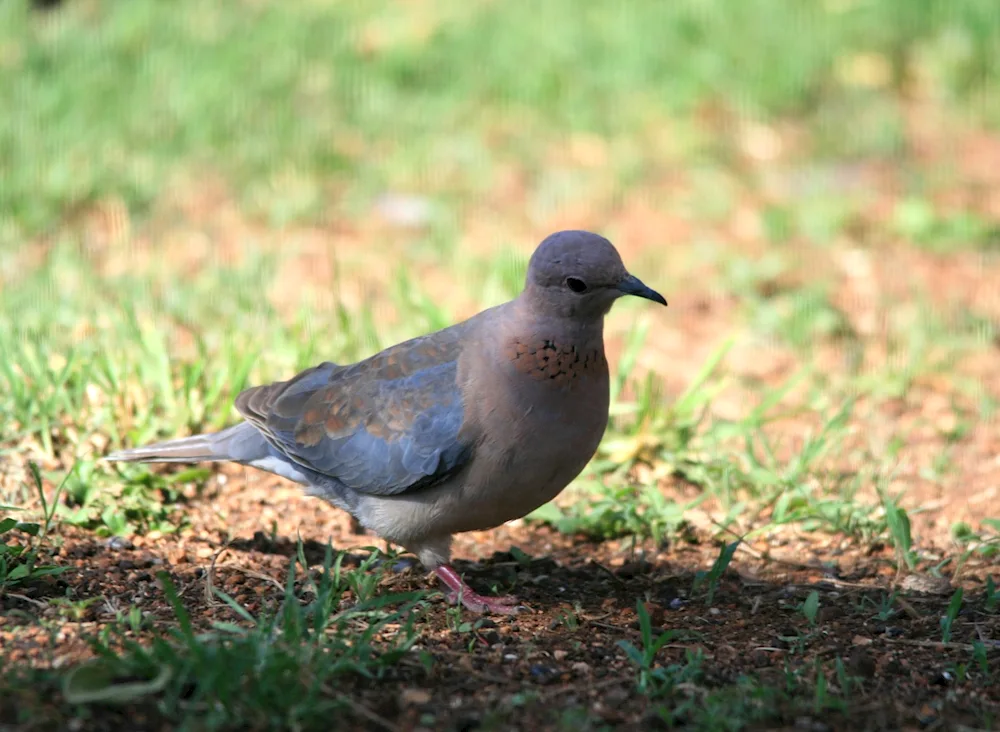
927 715
542 674
415 697
118 543
944 678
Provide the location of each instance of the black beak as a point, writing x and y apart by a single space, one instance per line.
633 286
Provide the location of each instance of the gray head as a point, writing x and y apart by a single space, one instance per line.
580 274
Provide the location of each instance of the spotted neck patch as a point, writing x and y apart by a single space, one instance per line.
562 364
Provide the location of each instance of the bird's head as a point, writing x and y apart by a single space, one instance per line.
580 274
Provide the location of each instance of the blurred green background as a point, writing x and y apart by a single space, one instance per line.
310 110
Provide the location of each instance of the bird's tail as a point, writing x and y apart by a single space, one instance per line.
239 443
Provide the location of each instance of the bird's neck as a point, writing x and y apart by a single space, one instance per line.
532 322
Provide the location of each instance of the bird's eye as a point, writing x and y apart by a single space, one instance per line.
576 285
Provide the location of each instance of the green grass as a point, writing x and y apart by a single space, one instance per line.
284 668
21 541
735 705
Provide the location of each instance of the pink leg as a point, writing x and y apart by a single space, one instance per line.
461 592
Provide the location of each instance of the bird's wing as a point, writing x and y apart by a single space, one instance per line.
383 426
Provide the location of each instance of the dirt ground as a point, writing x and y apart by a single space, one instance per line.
907 678
753 626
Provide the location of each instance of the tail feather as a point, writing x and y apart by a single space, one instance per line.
239 443
187 450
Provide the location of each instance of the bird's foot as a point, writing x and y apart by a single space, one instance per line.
503 605
461 592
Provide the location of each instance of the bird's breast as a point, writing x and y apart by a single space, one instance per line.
539 418
546 384
562 365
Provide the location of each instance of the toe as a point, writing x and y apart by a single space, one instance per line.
506 605
505 608
506 600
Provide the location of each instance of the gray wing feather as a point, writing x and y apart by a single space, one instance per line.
384 426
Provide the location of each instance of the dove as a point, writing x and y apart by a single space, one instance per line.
459 430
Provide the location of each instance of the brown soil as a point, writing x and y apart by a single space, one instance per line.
907 675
